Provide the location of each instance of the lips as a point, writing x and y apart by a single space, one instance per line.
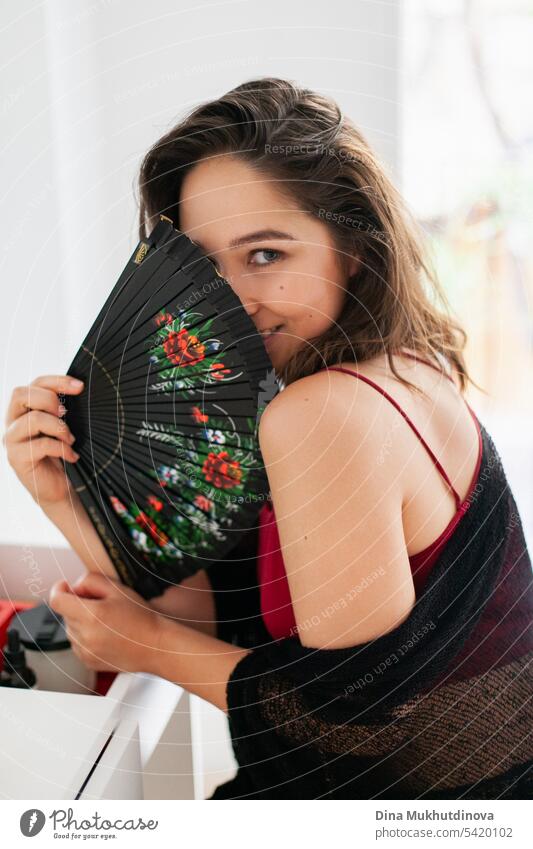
265 333
269 339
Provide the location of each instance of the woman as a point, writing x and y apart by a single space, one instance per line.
392 598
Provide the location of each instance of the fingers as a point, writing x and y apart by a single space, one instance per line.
29 454
67 603
36 423
75 640
74 601
38 433
62 383
70 624
41 394
95 585
72 635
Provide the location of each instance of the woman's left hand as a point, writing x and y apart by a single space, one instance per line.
110 626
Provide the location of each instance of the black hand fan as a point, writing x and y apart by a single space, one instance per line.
176 378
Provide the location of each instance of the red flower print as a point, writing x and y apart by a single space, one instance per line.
117 504
148 524
221 470
203 503
155 502
199 416
163 318
183 349
219 371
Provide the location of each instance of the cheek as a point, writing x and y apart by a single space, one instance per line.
307 298
315 303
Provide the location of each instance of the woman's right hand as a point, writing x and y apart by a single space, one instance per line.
36 437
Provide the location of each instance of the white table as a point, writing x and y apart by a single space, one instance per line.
139 707
70 746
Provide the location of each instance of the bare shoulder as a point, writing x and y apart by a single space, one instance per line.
338 511
323 435
351 484
332 406
327 404
323 390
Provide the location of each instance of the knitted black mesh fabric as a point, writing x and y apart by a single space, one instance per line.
439 708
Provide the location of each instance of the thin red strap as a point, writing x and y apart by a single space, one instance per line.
407 419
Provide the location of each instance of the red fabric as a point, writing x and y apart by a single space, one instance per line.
8 609
276 605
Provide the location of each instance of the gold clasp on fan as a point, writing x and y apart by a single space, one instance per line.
141 253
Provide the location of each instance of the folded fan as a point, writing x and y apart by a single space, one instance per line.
176 378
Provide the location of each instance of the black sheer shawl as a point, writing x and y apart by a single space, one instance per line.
440 707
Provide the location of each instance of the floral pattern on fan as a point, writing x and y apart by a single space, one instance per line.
147 536
219 461
214 468
186 356
188 532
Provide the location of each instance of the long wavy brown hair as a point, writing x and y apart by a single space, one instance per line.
300 138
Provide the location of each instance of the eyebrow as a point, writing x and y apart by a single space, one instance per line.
257 236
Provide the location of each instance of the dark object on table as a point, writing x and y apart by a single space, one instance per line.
16 673
49 652
41 628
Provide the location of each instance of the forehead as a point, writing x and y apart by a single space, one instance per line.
223 197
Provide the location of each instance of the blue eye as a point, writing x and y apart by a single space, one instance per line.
269 251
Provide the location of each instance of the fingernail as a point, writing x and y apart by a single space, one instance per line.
75 383
76 455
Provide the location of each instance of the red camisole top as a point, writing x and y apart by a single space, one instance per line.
276 606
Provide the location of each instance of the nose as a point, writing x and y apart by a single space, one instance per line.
244 292
249 305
